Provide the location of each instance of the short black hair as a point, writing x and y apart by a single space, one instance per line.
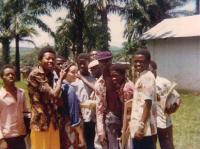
145 53
84 56
153 65
45 50
61 57
5 67
121 68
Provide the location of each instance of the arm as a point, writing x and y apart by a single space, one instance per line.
38 81
100 96
148 94
146 111
3 144
89 84
79 130
145 115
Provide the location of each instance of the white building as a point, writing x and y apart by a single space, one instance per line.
175 46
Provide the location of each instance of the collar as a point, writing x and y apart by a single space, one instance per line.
144 72
4 93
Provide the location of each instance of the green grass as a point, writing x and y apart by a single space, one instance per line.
186 120
186 123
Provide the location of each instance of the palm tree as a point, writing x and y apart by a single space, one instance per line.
141 15
5 34
104 7
24 18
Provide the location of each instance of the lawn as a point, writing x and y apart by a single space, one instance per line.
186 121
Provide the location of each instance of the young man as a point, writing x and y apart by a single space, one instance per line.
59 62
143 115
109 106
164 123
93 55
123 86
84 91
95 69
12 106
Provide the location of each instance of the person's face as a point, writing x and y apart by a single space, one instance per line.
117 78
59 63
140 63
9 76
93 55
83 66
71 74
96 71
105 64
48 61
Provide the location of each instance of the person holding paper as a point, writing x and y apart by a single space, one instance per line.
168 101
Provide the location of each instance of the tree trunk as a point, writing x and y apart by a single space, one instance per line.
79 24
17 58
5 51
197 7
105 35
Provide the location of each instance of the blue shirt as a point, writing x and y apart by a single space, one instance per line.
71 106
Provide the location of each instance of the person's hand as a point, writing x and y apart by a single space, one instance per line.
139 134
172 109
3 144
103 140
62 74
79 76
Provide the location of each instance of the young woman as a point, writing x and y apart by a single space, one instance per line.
71 132
44 89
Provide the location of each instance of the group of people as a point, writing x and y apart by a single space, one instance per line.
80 104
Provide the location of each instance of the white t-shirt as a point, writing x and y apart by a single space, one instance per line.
145 89
162 87
83 93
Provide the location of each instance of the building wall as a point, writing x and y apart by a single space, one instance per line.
178 60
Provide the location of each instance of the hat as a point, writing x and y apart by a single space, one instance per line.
103 55
93 63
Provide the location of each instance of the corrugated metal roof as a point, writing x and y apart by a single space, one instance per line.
174 28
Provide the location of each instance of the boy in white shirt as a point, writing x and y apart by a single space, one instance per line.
164 123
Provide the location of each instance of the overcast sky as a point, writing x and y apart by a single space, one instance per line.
116 25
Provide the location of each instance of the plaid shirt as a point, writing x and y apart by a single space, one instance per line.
42 100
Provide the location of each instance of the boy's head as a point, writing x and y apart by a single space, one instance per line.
59 62
118 74
83 61
95 68
153 67
105 60
141 60
8 74
93 55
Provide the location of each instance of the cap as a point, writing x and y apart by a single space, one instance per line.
93 63
104 55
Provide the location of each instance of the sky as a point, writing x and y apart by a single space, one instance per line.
116 25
